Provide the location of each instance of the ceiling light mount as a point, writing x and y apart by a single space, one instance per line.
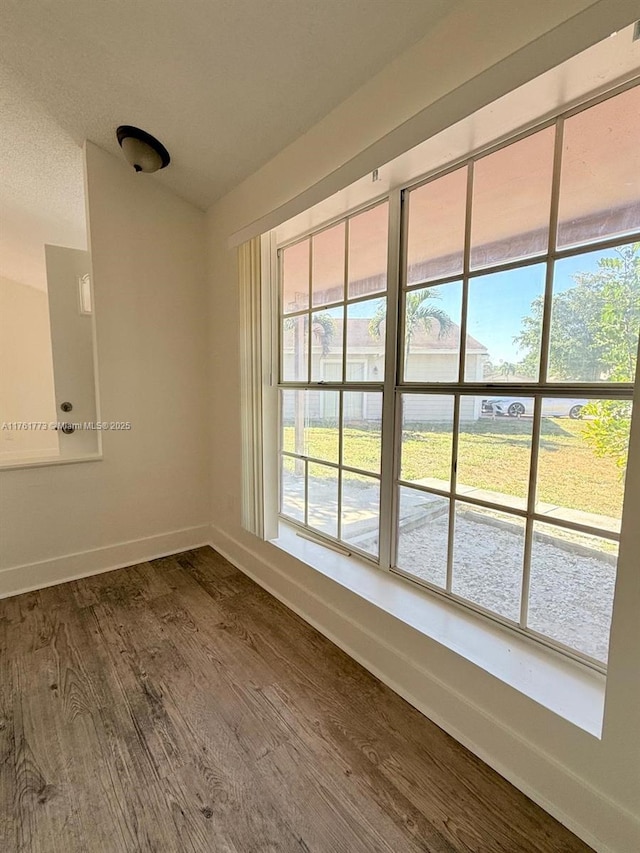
142 150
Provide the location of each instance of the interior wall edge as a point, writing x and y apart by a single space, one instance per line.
25 578
604 824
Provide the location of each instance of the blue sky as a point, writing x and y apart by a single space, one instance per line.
498 302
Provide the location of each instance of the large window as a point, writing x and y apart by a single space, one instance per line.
332 333
455 404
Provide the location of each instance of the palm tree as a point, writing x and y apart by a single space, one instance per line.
322 328
419 313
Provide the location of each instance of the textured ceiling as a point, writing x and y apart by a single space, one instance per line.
225 84
41 186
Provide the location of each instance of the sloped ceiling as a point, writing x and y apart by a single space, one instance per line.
224 84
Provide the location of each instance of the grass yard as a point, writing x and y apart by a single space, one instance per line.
493 454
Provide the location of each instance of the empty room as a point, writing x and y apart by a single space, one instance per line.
319 453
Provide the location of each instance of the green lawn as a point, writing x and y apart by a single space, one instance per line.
493 454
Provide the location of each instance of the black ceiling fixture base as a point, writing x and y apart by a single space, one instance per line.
129 131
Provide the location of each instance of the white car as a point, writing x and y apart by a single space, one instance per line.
515 407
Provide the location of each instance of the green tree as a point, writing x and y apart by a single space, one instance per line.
594 337
507 369
594 329
607 430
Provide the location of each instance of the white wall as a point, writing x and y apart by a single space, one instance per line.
592 785
148 254
26 371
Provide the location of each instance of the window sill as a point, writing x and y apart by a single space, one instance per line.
563 686
50 460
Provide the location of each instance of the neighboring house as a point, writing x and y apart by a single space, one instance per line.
430 357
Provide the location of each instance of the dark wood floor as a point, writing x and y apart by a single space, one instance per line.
176 706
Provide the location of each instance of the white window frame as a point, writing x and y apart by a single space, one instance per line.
392 386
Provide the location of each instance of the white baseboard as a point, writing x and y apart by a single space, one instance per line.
25 578
599 821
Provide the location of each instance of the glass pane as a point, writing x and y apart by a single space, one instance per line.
599 190
432 333
435 239
360 512
310 423
362 430
582 460
595 317
322 496
292 412
327 276
427 439
368 238
292 488
571 588
488 555
326 345
295 277
365 340
322 440
500 311
494 449
512 201
423 534
295 349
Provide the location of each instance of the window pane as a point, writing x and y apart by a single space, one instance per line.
488 554
435 239
292 488
595 316
599 190
427 439
326 345
499 314
292 411
512 201
423 531
571 588
360 512
365 340
327 276
432 333
321 434
582 460
295 349
362 430
310 423
494 449
322 495
295 277
368 238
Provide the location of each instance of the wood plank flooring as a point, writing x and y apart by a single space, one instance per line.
176 707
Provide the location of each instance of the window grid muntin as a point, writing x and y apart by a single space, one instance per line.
508 139
315 308
525 389
530 511
308 459
343 385
538 390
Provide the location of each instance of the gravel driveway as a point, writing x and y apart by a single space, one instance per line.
571 592
572 583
